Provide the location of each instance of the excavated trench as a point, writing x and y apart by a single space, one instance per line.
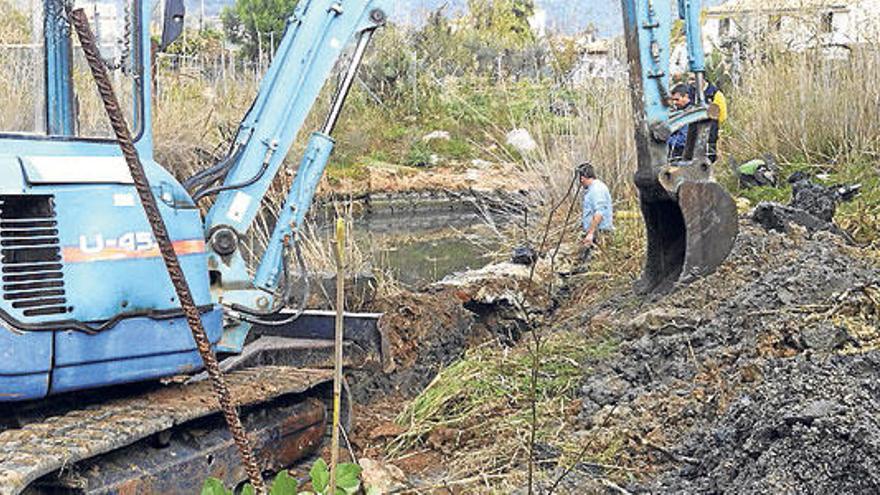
760 378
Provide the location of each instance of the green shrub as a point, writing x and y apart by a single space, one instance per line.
347 482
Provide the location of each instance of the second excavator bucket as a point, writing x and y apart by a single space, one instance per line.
691 220
689 234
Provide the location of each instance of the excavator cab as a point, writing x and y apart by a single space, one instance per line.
85 301
691 221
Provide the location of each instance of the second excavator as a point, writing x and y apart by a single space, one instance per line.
86 302
691 221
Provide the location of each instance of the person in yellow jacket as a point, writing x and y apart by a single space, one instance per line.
716 97
713 96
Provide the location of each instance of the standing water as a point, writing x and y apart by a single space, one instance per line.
423 243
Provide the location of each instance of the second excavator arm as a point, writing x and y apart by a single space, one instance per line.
691 221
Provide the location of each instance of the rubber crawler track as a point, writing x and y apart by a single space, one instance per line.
38 449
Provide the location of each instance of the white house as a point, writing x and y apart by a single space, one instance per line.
538 23
600 58
794 24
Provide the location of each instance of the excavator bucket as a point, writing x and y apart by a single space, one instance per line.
711 227
691 220
690 233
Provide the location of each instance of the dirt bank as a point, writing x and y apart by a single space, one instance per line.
380 178
429 330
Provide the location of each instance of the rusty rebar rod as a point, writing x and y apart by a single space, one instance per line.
169 256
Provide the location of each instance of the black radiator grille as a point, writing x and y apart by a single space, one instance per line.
30 255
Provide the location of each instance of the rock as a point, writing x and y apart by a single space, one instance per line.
481 164
380 477
547 455
667 321
386 430
825 338
812 411
524 255
522 141
473 177
779 218
437 136
606 391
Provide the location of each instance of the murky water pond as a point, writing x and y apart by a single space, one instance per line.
427 255
424 244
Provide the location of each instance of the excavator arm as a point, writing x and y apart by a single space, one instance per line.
316 36
691 221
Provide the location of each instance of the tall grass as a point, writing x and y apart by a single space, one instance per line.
195 122
803 106
816 114
596 127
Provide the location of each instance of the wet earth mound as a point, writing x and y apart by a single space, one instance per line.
756 379
810 427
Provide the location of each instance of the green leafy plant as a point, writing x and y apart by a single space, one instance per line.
419 155
347 482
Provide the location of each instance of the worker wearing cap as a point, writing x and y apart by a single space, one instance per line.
598 216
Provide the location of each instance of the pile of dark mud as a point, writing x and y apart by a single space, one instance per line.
810 427
756 379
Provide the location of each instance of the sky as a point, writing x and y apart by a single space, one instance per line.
568 16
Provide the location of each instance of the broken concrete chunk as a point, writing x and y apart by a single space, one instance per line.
380 477
668 321
437 135
522 141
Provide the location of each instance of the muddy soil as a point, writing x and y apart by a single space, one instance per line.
810 427
428 330
757 379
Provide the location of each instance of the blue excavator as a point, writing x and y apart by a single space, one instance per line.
86 299
87 305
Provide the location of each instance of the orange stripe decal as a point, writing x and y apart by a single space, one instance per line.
182 248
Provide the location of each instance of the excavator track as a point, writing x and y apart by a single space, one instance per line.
43 447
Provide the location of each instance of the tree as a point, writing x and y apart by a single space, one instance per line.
207 42
256 24
504 21
14 24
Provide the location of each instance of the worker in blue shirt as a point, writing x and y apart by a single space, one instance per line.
598 208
